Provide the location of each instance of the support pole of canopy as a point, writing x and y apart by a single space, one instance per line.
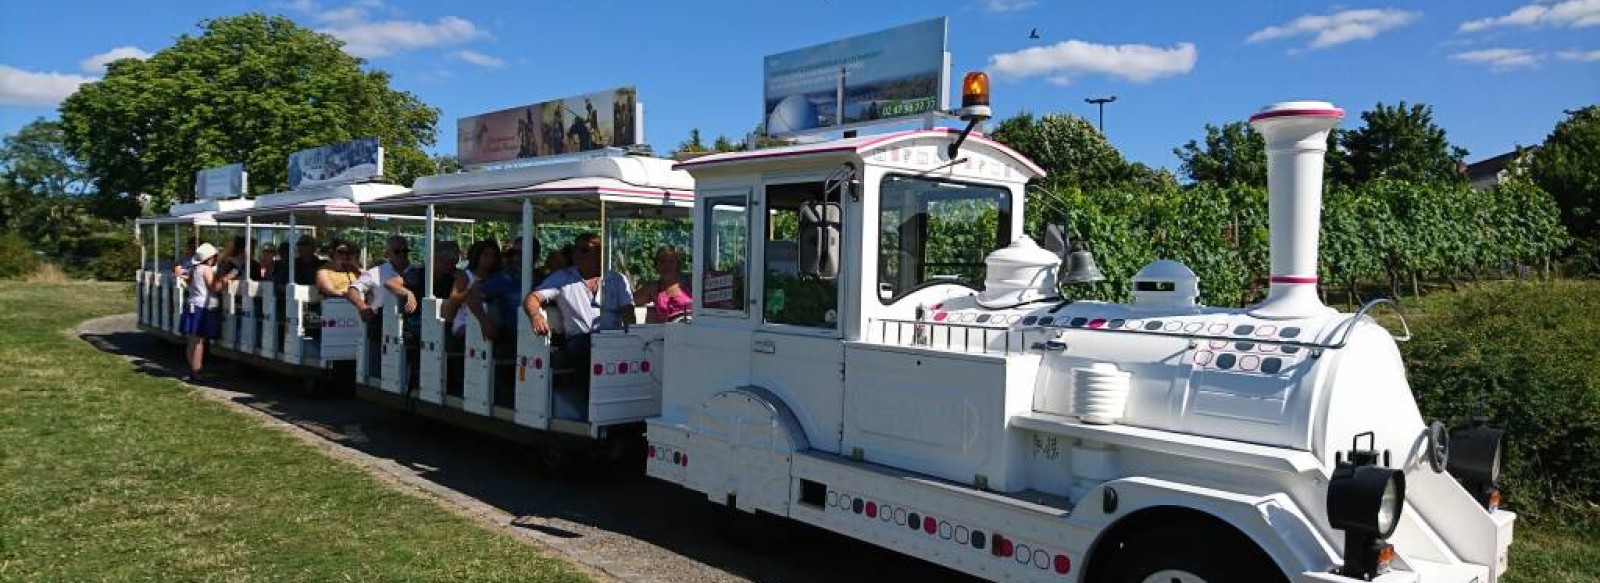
605 257
291 259
428 260
249 254
527 247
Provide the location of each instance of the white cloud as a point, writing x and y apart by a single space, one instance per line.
1063 61
1500 60
1567 13
368 38
1008 5
478 58
97 64
19 87
1338 28
1584 56
377 39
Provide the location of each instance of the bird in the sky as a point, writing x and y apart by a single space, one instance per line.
1034 34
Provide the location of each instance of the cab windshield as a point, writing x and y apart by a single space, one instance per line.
937 231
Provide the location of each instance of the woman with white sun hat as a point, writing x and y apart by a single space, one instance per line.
200 319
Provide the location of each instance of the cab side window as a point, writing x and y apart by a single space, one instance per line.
800 214
727 233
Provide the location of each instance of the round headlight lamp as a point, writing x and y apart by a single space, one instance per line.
1366 499
1475 454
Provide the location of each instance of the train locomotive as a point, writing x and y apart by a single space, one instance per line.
1016 436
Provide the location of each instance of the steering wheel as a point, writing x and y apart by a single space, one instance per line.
1438 447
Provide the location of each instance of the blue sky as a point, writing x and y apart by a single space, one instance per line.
1498 72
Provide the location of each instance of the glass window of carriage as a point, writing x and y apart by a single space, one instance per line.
937 231
726 248
800 214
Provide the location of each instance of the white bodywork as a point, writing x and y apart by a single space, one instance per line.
956 433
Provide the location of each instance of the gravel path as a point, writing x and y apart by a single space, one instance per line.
619 526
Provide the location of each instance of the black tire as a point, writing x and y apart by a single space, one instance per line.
1192 554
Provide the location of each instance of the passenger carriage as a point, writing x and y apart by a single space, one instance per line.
302 333
170 237
522 387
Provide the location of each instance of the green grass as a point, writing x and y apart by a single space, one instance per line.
107 474
110 475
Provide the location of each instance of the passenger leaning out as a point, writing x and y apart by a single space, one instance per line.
587 303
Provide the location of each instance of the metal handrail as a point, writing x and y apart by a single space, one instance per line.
1343 329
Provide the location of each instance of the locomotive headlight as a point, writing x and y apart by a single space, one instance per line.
1366 499
1475 455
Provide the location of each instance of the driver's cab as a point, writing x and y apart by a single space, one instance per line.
801 250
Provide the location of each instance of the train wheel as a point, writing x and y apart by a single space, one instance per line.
1189 555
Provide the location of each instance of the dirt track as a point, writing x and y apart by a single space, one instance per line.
621 525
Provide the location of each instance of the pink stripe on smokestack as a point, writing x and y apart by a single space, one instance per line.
1296 133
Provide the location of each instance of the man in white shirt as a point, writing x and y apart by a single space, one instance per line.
395 275
588 302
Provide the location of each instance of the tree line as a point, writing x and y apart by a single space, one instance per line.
253 88
1397 209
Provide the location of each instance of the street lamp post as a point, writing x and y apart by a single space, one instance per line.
1101 101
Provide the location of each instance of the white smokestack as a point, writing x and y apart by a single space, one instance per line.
1296 133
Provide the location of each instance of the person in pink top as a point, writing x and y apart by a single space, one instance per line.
669 296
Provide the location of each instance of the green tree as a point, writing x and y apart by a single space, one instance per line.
1568 167
1401 142
693 145
723 144
1231 155
1068 147
251 89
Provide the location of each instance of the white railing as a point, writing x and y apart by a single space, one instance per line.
966 338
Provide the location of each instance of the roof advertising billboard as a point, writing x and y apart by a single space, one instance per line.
341 163
597 120
891 74
221 182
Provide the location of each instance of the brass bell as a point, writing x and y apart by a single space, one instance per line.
1081 267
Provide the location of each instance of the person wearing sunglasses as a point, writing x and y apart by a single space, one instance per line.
396 277
335 278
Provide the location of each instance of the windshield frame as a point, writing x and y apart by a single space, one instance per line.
1006 209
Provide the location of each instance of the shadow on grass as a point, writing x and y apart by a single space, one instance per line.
507 476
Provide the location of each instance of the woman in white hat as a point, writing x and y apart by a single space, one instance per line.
199 322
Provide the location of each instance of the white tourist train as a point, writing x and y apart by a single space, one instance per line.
879 350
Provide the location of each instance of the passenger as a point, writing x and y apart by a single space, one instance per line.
466 296
306 265
266 262
200 321
503 292
446 255
557 260
396 276
234 259
336 277
587 304
669 296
